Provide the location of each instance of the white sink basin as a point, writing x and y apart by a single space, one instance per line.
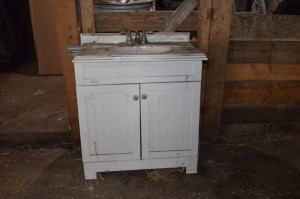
138 50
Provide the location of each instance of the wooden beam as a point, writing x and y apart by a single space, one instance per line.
204 25
262 72
203 40
68 35
87 16
261 94
253 27
141 20
179 15
217 56
267 52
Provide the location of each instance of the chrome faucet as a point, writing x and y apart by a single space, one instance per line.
138 38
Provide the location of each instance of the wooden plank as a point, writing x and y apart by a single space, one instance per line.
45 36
87 16
142 21
204 25
202 96
257 72
203 41
255 129
68 35
179 15
260 115
217 52
262 94
249 26
264 52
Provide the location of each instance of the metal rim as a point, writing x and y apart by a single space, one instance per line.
122 2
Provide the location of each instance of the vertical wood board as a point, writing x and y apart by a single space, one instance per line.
68 35
43 19
87 16
203 42
217 57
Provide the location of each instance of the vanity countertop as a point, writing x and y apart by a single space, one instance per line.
151 51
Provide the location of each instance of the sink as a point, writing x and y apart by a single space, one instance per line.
138 50
107 46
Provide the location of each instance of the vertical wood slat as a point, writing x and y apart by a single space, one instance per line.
87 16
217 56
203 38
68 35
204 25
43 20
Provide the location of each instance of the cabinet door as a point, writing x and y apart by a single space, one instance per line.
170 119
109 122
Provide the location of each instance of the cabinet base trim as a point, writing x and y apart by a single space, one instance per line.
91 168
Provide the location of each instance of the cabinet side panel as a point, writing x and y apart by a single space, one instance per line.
80 90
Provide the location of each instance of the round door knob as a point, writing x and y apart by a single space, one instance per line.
135 97
144 96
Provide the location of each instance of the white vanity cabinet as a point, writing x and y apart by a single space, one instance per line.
138 114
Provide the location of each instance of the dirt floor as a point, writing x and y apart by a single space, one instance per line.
260 170
32 113
32 108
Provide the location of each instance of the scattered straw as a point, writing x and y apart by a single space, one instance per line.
17 186
3 164
158 175
74 188
7 153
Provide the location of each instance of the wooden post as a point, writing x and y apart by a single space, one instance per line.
203 38
220 16
68 35
87 16
204 25
179 15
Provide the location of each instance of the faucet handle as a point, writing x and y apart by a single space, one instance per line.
137 38
128 37
144 37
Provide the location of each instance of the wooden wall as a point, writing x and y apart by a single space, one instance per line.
142 21
262 83
251 83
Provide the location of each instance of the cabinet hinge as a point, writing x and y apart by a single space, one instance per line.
212 13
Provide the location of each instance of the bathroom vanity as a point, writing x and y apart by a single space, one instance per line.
138 106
